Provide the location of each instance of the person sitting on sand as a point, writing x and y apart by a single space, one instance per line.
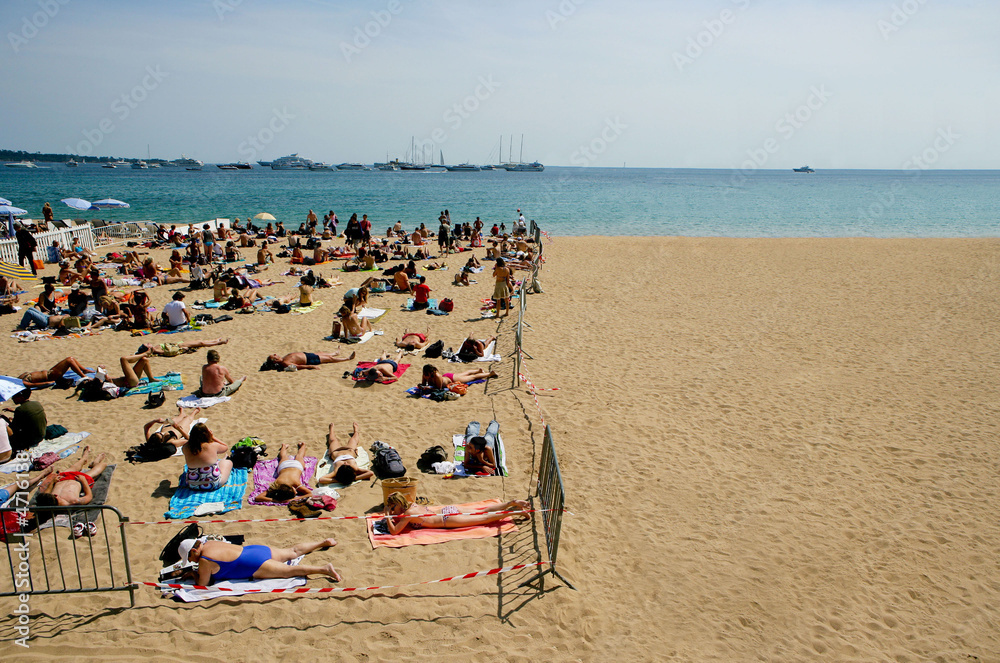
175 431
216 379
26 424
139 310
354 326
401 513
232 253
480 450
73 486
205 470
431 377
402 282
219 560
472 346
183 348
264 254
151 272
412 341
345 459
39 379
287 482
294 361
306 284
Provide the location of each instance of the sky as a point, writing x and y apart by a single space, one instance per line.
593 83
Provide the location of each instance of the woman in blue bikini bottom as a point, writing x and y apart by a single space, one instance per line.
225 561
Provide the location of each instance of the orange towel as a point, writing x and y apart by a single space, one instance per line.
423 537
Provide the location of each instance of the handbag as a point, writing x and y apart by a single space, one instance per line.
446 305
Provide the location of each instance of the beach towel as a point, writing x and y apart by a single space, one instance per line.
401 368
325 466
425 536
364 338
372 314
100 491
185 501
264 472
169 382
238 587
302 310
431 304
208 401
55 445
500 453
417 392
488 355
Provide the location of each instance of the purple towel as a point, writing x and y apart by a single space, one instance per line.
264 473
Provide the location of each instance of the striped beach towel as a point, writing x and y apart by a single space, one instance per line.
185 501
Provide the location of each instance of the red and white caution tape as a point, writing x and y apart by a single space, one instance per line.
327 590
534 392
285 520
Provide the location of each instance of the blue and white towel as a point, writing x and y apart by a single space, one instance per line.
185 501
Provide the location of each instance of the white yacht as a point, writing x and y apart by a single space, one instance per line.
291 162
72 163
21 164
140 165
463 168
184 162
319 165
350 166
533 167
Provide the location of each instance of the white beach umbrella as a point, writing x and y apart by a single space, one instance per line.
78 203
110 203
9 209
4 201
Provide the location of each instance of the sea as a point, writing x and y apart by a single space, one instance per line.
563 201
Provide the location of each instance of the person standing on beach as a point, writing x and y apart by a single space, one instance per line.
216 379
47 213
26 246
501 291
208 239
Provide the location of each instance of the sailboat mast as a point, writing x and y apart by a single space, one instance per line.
520 159
510 149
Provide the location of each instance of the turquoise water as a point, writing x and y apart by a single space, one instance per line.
565 201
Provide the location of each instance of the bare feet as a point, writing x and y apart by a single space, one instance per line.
353 355
332 572
328 543
357 428
493 374
98 460
300 445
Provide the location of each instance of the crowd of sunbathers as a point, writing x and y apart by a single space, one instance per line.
198 260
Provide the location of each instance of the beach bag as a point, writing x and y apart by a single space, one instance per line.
434 350
435 454
386 463
203 319
155 399
247 451
458 388
52 431
169 555
43 461
446 305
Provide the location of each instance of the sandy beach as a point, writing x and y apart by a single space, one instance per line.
773 449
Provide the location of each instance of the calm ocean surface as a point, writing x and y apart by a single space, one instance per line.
564 201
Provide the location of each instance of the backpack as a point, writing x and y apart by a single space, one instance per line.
433 351
246 452
446 305
386 463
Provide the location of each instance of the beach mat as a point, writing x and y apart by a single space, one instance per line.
235 587
102 484
408 306
265 471
205 401
168 382
427 536
54 445
185 501
299 309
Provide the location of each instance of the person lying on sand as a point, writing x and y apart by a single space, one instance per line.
174 349
287 482
431 377
35 379
11 489
218 561
132 366
384 369
294 361
175 431
73 486
345 459
401 513
411 341
480 456
472 346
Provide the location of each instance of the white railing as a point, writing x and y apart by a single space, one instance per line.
65 236
119 233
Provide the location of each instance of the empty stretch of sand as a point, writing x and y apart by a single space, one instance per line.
773 449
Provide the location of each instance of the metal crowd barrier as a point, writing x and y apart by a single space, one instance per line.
52 561
551 498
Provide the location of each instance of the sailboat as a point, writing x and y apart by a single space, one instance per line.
520 166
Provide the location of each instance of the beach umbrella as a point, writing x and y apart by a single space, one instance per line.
4 201
8 387
16 211
12 271
264 216
110 203
78 203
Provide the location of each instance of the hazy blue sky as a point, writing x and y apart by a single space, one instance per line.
831 83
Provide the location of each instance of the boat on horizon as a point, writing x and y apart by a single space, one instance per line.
803 169
186 163
236 165
140 165
351 166
72 163
21 164
319 165
291 162
463 168
533 167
